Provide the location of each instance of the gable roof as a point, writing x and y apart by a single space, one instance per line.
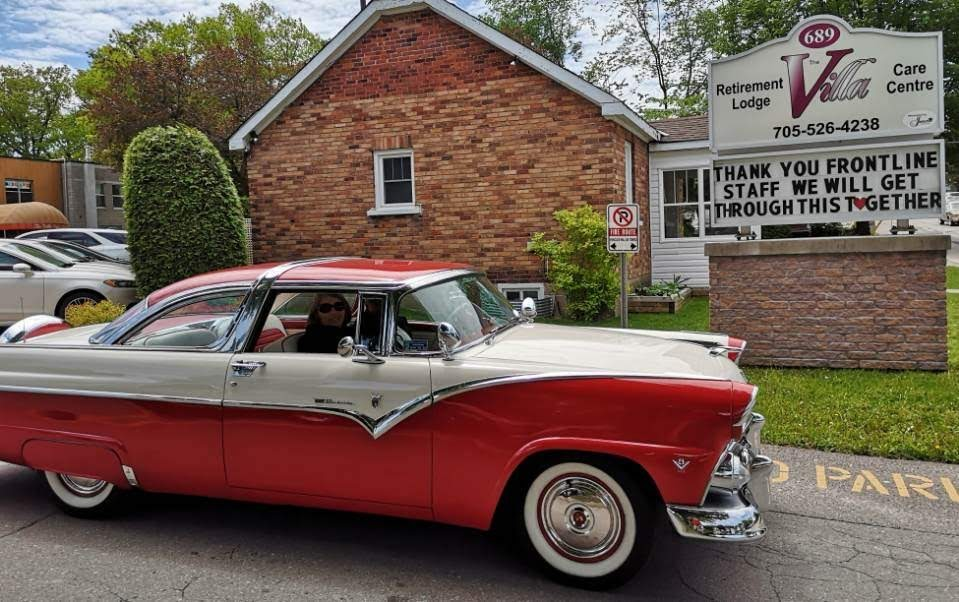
610 107
683 129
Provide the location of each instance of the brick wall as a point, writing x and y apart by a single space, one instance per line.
497 149
845 309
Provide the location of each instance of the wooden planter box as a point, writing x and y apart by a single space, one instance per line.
650 305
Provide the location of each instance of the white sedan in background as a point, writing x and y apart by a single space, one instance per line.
108 242
34 281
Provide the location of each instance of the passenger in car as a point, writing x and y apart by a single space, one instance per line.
326 324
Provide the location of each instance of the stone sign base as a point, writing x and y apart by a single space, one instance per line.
848 302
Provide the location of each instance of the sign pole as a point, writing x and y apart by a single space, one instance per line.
622 238
623 300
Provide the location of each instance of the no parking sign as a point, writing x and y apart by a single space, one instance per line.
622 228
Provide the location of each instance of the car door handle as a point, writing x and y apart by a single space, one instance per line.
245 367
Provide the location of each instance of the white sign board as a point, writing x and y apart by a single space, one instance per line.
622 228
825 82
903 180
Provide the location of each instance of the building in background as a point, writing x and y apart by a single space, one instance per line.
421 132
88 194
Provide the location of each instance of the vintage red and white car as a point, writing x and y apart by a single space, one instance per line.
436 401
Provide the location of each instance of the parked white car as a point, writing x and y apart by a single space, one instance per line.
108 242
950 209
34 281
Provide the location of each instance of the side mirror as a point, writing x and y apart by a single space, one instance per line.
529 309
359 353
449 339
22 268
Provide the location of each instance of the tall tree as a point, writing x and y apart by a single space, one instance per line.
38 117
743 24
547 26
666 41
210 74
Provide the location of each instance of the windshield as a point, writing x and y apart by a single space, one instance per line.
470 303
41 255
69 251
118 237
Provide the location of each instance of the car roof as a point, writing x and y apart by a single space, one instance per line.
347 270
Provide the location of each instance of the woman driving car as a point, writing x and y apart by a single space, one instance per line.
326 324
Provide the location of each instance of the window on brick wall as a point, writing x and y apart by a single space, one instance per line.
117 196
395 183
687 205
101 196
18 191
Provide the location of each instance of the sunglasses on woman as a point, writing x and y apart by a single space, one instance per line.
326 308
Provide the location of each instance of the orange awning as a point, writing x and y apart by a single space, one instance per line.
31 216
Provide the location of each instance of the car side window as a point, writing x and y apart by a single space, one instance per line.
8 261
196 325
316 321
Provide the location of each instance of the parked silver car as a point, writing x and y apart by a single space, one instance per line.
108 242
34 281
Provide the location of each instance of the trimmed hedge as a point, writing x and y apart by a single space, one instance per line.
183 214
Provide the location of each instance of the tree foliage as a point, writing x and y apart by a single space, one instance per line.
210 73
38 119
547 26
666 41
182 210
579 265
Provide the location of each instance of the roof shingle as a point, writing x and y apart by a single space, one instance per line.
683 129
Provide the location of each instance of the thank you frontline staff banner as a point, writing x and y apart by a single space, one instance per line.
864 183
827 82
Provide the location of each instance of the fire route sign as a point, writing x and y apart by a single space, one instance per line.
622 228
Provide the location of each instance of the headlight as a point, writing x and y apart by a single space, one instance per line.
120 283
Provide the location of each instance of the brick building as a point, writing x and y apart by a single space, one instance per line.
419 131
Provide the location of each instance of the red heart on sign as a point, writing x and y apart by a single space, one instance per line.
859 202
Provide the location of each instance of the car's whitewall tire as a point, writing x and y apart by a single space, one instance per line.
81 496
589 527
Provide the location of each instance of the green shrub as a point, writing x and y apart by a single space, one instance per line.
666 288
93 313
580 266
183 213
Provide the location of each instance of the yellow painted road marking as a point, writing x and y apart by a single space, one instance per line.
783 475
865 477
821 483
950 489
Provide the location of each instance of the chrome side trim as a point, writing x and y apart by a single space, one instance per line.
130 475
446 392
110 395
376 427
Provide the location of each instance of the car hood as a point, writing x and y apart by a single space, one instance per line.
578 349
97 269
69 336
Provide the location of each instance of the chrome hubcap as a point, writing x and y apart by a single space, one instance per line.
581 518
82 486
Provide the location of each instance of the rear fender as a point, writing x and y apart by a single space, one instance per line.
79 459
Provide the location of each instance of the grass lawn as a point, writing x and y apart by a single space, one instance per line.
952 277
911 415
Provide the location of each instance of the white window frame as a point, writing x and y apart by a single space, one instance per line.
701 204
17 184
628 154
381 208
112 205
539 287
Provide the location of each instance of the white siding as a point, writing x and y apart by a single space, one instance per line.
676 257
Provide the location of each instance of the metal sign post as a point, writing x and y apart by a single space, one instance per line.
622 236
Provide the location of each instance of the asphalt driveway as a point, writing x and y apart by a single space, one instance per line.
841 527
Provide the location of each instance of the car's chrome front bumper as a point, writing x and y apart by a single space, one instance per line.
732 508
